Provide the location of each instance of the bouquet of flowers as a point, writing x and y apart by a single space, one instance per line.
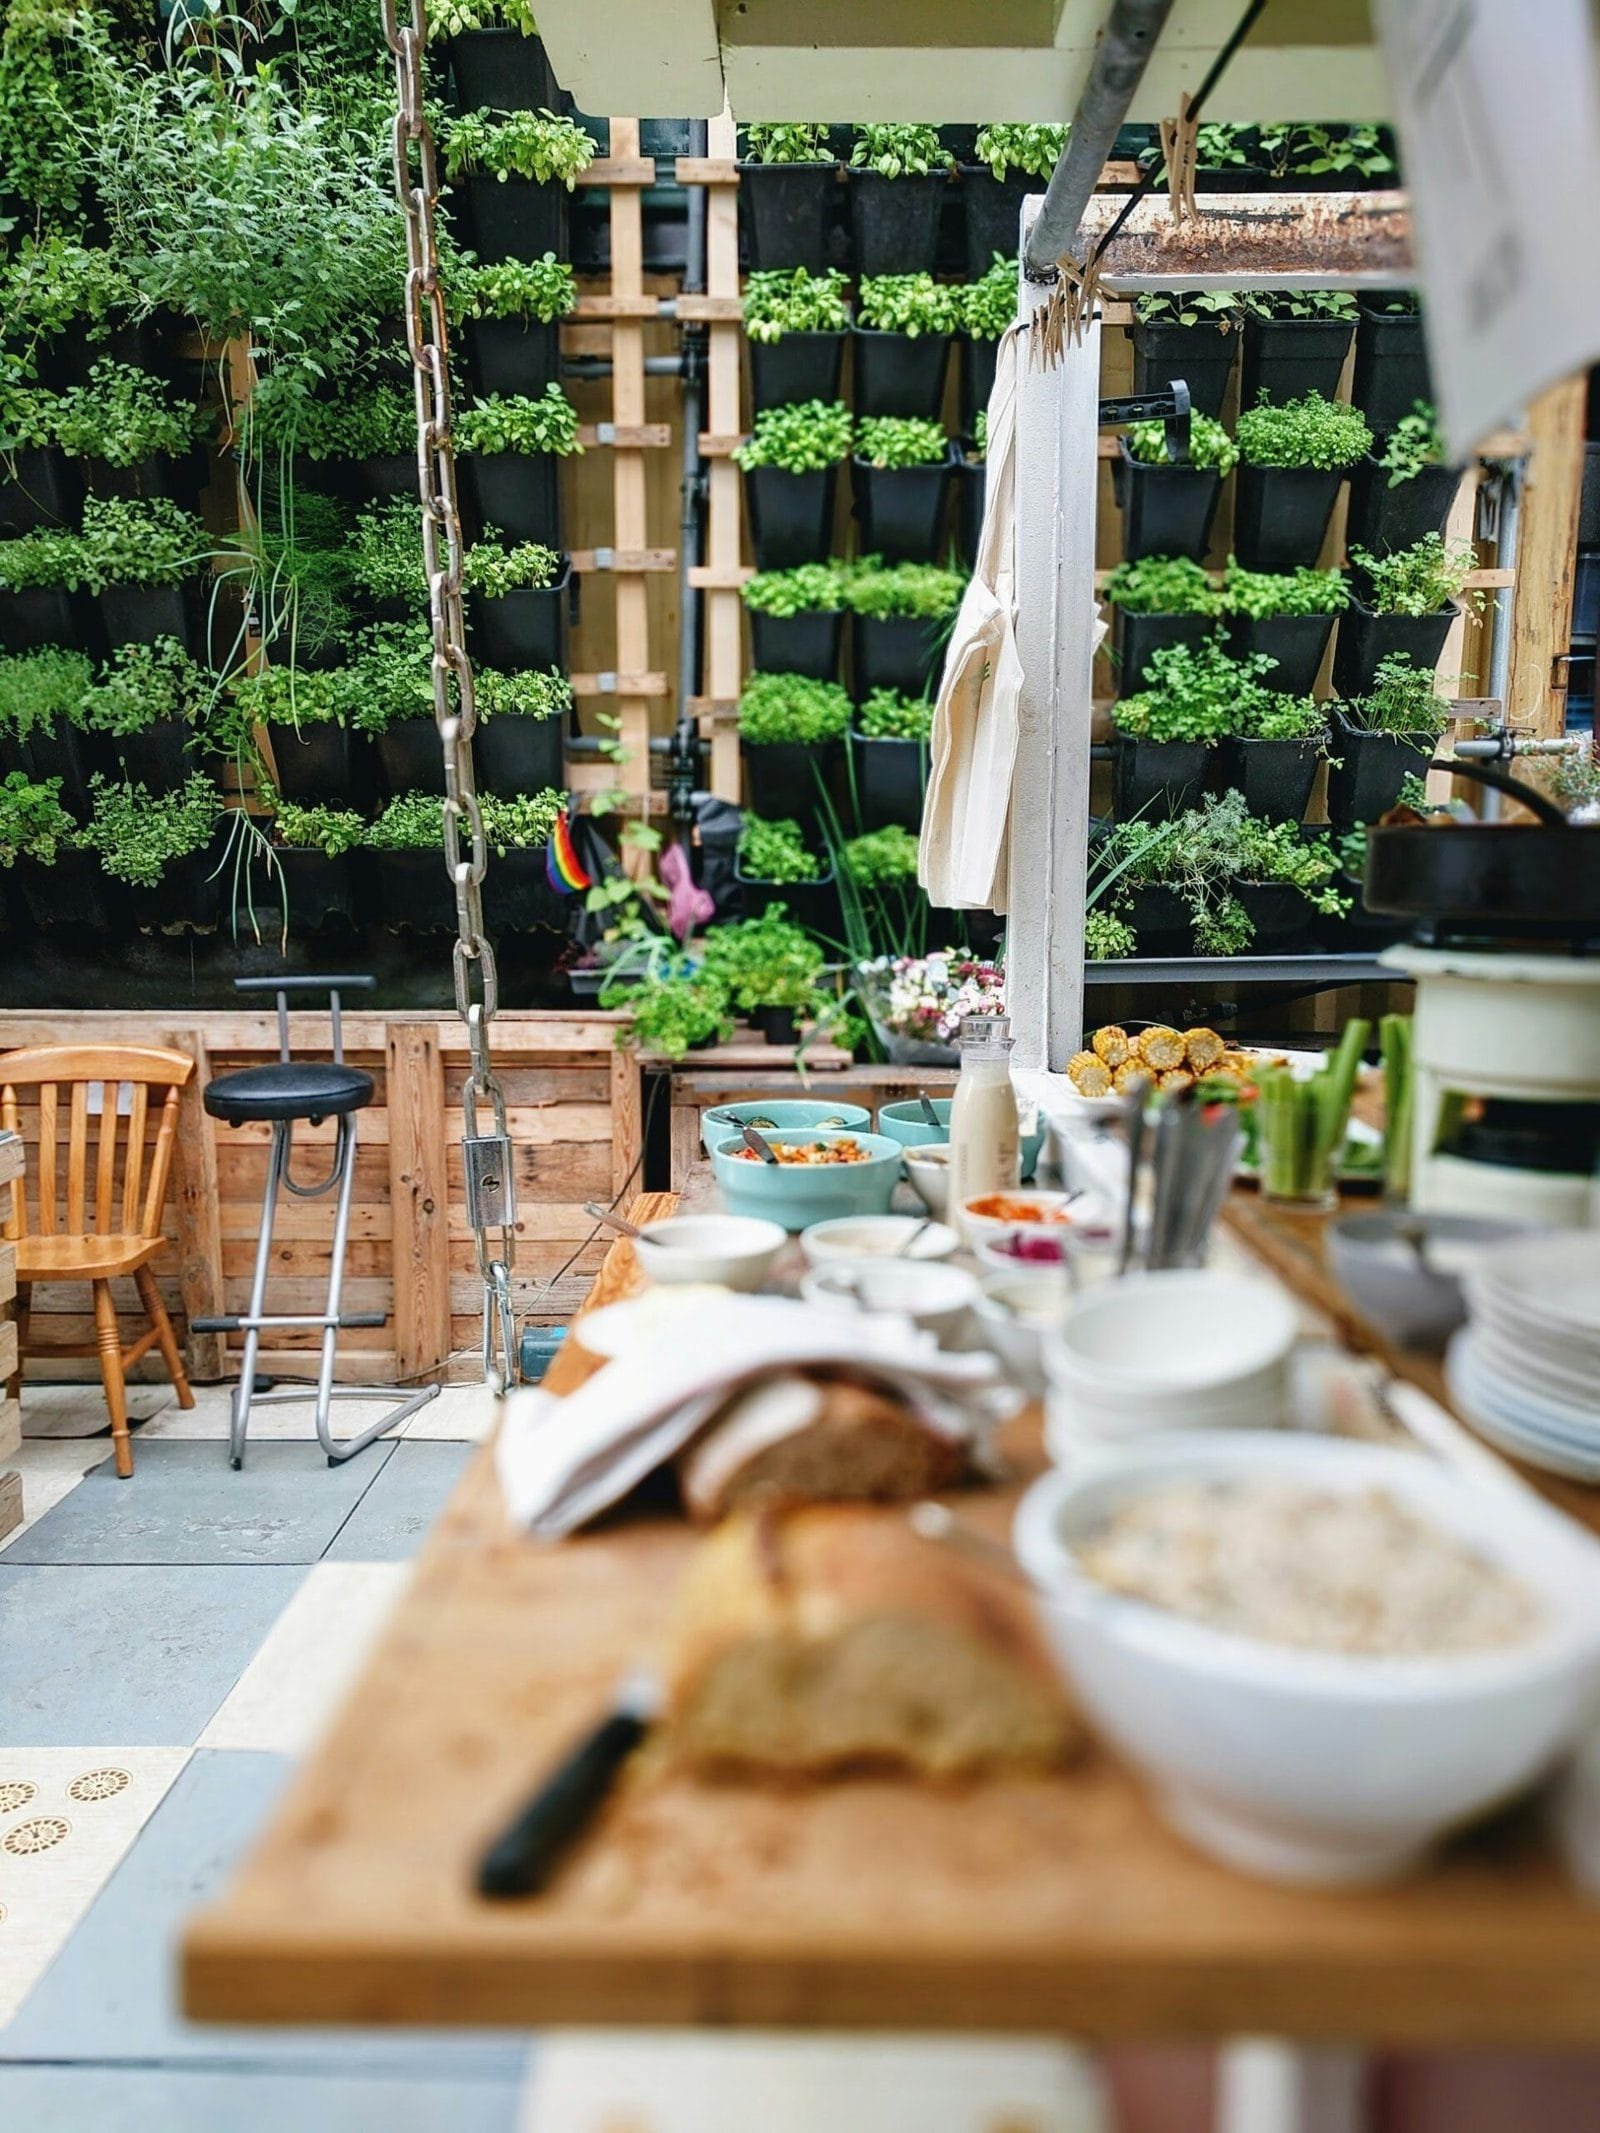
917 1004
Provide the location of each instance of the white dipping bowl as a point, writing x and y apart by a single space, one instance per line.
876 1237
735 1251
1057 1209
937 1297
1315 1767
928 1168
1015 1311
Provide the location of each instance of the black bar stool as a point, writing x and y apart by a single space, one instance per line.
312 1090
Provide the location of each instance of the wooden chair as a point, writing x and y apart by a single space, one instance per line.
125 1234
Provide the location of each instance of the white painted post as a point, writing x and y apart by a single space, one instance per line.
1057 437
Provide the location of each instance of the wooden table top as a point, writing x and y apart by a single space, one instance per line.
1059 1905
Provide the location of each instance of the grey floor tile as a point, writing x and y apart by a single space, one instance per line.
127 1656
111 1994
37 2099
393 1517
244 2099
185 1504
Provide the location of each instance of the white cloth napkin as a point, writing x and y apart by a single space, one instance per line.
564 1461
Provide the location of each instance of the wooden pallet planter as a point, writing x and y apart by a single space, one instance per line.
573 1107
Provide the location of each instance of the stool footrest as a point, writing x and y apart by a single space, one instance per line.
239 1322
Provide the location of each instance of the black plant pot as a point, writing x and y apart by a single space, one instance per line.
407 891
901 510
1367 639
1286 357
977 379
968 475
900 652
515 356
899 373
1160 918
1368 769
780 781
778 1025
1391 370
791 515
519 755
64 753
409 757
992 211
139 614
318 891
1359 928
896 222
160 757
384 477
193 894
1200 355
1275 777
502 69
1156 779
806 644
812 904
1296 642
1585 601
517 896
518 493
785 213
1139 637
516 218
1281 515
179 477
323 762
1280 914
891 778
800 366
1385 520
48 614
526 628
71 892
1166 509
39 486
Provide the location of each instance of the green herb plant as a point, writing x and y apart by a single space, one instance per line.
519 144
775 851
1402 701
1309 432
451 18
791 708
1298 303
1415 442
793 143
1163 585
42 692
794 302
807 589
141 541
764 962
913 304
1191 693
324 828
895 441
898 151
384 553
987 308
495 571
1211 449
1420 580
1301 148
520 422
33 823
143 684
887 715
880 856
1258 595
1032 150
544 289
123 415
918 592
803 438
1219 308
138 834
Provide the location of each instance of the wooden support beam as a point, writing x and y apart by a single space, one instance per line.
706 170
627 1124
623 559
419 1200
1547 541
626 437
630 521
616 684
719 576
712 310
719 446
620 170
612 306
705 577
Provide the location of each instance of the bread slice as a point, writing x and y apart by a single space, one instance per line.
810 1438
834 1637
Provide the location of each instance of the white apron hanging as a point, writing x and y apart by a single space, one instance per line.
962 858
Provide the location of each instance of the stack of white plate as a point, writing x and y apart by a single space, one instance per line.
1525 1370
1186 1349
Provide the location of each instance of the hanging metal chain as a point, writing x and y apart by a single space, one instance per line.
491 1196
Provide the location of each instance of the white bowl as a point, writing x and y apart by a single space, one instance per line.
1080 1419
735 1251
938 1298
1186 1330
1015 1311
928 1168
1053 1206
1308 1766
875 1237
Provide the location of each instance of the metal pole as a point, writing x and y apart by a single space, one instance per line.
690 478
1507 513
1118 68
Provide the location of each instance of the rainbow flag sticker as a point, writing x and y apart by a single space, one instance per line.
561 863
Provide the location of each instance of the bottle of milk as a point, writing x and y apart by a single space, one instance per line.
984 1135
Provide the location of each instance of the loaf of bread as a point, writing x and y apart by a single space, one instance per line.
834 1637
814 1437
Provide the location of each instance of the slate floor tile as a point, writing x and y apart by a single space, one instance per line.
394 1516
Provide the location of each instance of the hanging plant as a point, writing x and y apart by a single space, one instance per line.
536 145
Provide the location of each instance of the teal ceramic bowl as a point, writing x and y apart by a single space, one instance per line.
782 1113
798 1194
905 1123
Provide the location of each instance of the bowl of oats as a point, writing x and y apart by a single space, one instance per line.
1322 1655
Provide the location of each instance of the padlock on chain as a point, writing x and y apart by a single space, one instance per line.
491 1183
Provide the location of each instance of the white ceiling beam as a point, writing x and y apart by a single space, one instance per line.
641 58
